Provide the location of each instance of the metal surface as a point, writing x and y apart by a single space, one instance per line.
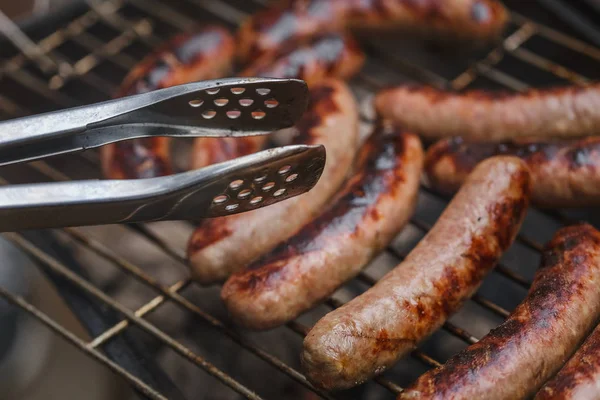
524 58
220 108
231 187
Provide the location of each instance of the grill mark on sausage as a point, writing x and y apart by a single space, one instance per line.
568 275
325 55
212 231
565 172
415 299
369 185
334 109
365 215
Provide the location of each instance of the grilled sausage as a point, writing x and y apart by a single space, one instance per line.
206 54
268 30
493 116
514 360
371 209
579 379
565 173
373 331
327 56
223 245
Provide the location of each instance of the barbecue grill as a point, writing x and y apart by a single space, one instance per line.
81 55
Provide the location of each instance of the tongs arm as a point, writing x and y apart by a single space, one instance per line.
221 108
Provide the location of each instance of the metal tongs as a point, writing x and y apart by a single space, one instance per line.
220 108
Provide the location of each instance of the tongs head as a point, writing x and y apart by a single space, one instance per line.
244 184
231 107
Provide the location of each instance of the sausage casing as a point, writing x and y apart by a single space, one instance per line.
373 331
205 54
479 115
579 379
326 56
268 30
372 208
514 359
565 173
221 246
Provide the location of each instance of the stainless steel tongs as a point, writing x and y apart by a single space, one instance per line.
220 108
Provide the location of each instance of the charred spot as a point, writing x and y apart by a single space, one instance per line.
510 328
321 103
322 94
257 280
550 258
508 214
385 343
209 232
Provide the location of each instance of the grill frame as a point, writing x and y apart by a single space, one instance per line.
60 72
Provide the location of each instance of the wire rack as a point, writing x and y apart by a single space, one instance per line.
84 59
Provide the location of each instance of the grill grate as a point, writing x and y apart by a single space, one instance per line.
49 76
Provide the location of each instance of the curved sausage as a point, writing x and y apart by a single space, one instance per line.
206 54
369 212
221 246
373 331
579 379
478 115
565 173
514 360
268 30
327 56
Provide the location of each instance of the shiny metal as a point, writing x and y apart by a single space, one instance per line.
233 107
222 189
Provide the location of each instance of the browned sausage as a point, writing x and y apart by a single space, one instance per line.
478 115
206 54
268 30
223 245
373 331
369 212
579 379
327 56
514 360
564 173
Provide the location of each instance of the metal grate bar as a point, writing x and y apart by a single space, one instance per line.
81 345
559 37
90 289
137 273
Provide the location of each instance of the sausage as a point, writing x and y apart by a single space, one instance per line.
326 56
372 208
205 54
221 246
566 173
514 359
478 115
579 379
268 30
370 333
